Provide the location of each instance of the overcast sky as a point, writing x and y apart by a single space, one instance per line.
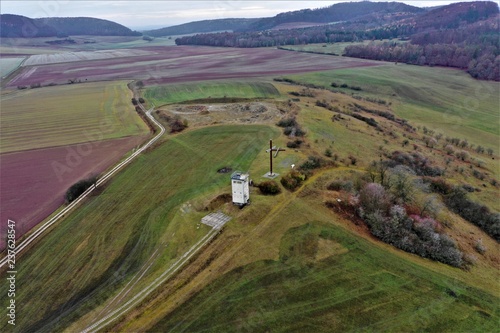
134 14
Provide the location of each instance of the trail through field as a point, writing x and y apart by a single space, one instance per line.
44 227
145 292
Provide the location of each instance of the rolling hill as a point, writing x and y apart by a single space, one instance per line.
336 13
203 26
18 26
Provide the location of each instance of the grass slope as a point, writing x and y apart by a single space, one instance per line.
168 94
445 100
357 287
8 65
69 114
98 248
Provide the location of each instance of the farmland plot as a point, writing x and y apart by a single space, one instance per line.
186 63
34 182
70 114
44 59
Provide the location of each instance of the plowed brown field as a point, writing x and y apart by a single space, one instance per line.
185 63
33 183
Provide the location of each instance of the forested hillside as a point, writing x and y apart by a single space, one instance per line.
462 35
18 26
202 26
339 12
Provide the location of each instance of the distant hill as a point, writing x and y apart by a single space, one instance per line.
87 26
335 13
202 26
462 35
18 26
289 20
454 15
25 27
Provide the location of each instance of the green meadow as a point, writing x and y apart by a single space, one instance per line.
68 114
445 100
175 93
329 280
96 250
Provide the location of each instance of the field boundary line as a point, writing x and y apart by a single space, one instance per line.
32 237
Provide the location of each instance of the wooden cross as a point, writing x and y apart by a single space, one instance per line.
270 151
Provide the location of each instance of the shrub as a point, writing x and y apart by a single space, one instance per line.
417 162
473 212
294 144
340 185
287 122
78 188
313 162
269 187
419 238
479 247
373 198
292 180
438 185
177 124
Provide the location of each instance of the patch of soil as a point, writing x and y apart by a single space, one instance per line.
219 201
224 113
225 170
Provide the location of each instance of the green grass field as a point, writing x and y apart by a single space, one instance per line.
332 48
175 93
445 100
358 287
8 65
98 248
69 114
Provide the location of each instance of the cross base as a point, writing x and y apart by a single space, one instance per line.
271 175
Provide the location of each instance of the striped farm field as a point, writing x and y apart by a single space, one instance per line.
44 59
168 94
69 114
8 65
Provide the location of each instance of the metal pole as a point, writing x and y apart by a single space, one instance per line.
271 157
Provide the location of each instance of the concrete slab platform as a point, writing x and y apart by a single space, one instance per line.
216 220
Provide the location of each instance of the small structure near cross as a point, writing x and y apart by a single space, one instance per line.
240 187
272 149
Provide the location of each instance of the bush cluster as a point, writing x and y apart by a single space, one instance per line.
269 187
415 161
313 162
292 180
345 85
474 212
340 185
414 234
294 144
78 188
369 121
176 123
406 234
290 127
455 198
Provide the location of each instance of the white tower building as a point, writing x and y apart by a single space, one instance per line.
240 187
